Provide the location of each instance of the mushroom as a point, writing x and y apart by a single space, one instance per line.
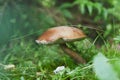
61 35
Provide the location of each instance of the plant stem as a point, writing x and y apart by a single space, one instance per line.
72 54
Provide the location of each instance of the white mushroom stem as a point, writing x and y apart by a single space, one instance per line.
72 54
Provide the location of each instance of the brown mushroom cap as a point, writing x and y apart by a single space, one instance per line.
65 33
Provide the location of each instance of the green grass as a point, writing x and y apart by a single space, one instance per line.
37 62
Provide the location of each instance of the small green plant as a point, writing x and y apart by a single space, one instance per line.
88 5
103 68
117 39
